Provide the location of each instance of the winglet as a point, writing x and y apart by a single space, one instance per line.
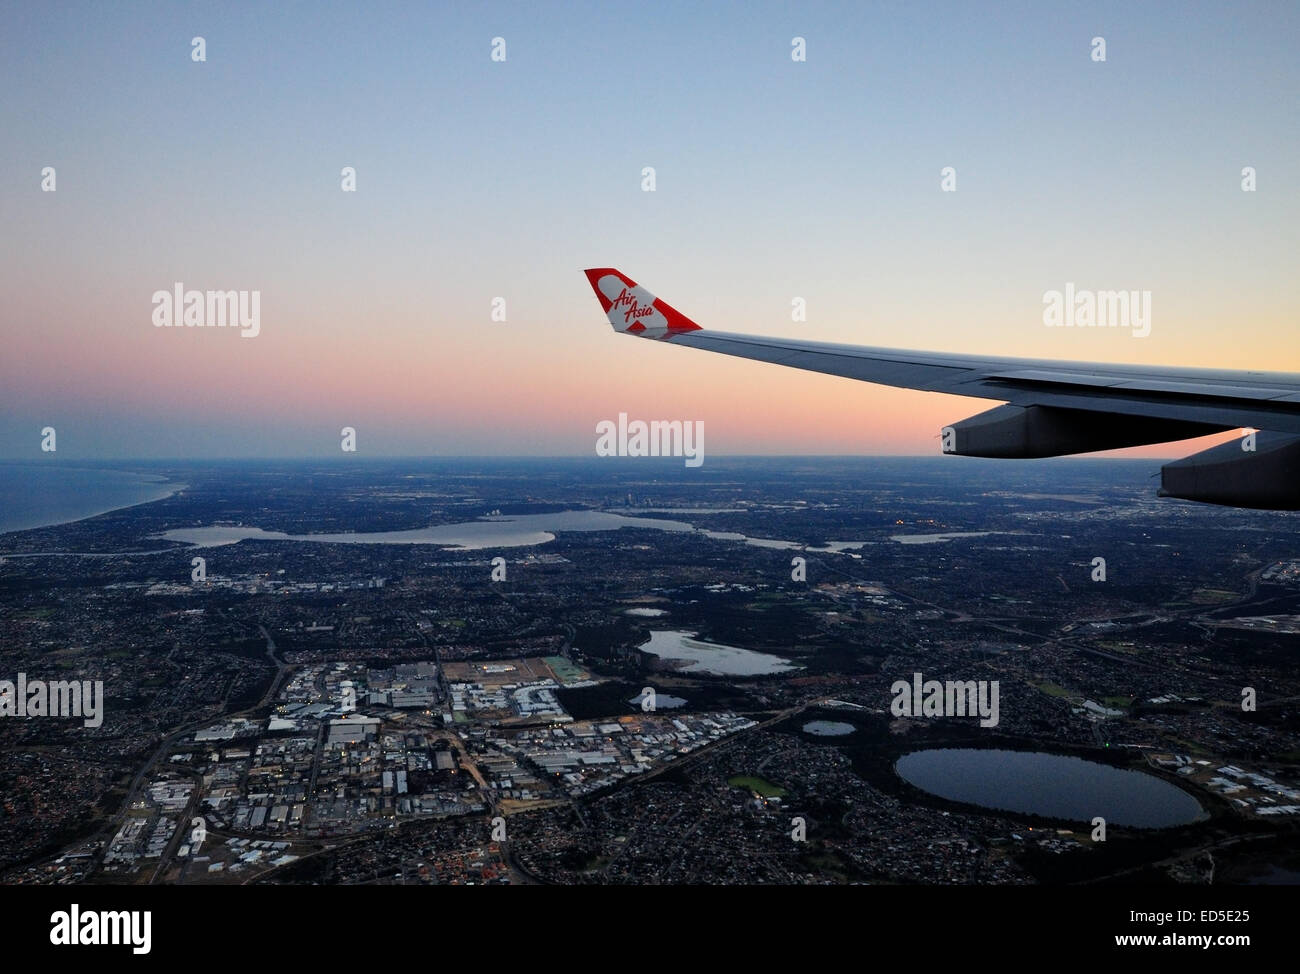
632 309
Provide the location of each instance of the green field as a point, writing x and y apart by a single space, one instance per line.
757 785
1052 690
564 670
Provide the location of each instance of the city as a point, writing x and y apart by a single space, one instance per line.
645 704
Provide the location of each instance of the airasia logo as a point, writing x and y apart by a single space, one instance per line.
634 309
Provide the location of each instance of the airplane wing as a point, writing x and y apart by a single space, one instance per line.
1053 408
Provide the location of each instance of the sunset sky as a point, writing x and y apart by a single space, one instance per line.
479 179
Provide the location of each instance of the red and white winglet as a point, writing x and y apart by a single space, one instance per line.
634 310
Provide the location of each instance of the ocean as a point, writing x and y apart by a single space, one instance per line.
34 495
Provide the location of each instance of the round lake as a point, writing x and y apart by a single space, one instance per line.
827 728
1050 785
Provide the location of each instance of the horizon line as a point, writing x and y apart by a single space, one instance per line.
583 456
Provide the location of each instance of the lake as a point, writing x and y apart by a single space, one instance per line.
713 659
828 728
501 531
1049 785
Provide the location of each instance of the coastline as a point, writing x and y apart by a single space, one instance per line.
158 487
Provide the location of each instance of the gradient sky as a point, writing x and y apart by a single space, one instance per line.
479 179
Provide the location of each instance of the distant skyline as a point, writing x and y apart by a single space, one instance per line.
479 179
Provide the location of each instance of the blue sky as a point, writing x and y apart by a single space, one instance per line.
479 179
